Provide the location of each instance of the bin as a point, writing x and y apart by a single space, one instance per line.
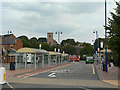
12 65
2 75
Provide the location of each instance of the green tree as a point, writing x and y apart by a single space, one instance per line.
23 37
34 43
69 49
114 33
68 41
42 40
45 46
88 50
25 41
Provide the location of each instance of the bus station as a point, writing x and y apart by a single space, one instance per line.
35 58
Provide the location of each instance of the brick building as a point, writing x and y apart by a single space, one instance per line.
11 43
50 39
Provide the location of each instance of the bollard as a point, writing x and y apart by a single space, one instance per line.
2 75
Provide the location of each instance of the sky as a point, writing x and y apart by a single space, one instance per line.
76 20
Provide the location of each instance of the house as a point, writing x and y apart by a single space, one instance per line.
11 43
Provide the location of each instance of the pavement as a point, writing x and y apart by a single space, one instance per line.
111 77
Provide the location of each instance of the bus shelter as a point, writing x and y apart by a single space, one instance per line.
30 57
58 57
65 58
52 58
55 57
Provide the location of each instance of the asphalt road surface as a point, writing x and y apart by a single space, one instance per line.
76 75
76 70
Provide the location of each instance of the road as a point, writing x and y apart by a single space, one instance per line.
76 70
76 75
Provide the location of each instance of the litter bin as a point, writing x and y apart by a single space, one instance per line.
12 65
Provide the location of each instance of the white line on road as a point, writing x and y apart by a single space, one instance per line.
10 86
93 69
52 75
44 71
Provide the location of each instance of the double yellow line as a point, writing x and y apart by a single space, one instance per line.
93 69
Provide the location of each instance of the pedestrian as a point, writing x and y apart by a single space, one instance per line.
111 65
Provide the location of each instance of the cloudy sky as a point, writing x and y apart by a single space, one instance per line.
76 20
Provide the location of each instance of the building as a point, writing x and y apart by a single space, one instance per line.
50 39
11 43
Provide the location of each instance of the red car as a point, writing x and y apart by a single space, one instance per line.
74 58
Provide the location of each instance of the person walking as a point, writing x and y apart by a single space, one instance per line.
111 65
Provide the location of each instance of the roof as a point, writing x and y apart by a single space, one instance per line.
57 53
7 40
12 52
52 53
64 54
31 50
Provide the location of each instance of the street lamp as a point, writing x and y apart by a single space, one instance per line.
105 36
96 32
8 43
97 46
58 40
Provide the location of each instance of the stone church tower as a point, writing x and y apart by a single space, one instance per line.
50 39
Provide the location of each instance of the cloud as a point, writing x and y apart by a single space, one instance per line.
75 20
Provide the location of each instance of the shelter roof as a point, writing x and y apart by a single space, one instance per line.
32 50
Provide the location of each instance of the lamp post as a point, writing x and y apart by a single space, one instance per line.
58 40
105 36
97 45
96 32
8 44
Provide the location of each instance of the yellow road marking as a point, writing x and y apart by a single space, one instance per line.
93 69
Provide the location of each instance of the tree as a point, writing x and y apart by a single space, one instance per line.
34 43
25 41
68 41
23 37
87 50
42 40
45 46
114 32
69 49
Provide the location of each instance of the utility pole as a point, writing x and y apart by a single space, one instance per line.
97 46
58 40
8 44
105 36
96 32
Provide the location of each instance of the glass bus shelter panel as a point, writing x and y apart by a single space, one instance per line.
53 59
39 61
46 59
20 62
